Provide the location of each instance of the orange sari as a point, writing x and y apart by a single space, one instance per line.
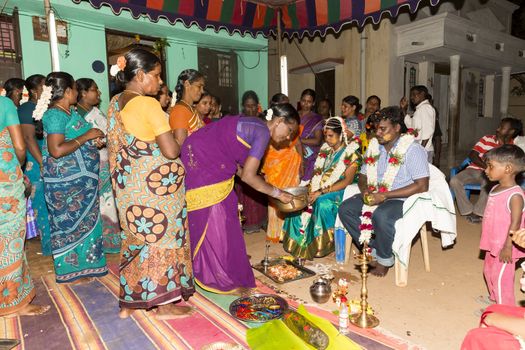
281 169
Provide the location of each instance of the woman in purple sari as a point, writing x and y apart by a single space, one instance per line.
312 136
212 157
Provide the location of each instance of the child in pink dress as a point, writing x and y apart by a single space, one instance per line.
503 215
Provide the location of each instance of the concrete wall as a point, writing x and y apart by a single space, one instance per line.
384 76
87 43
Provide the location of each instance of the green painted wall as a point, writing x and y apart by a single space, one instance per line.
87 43
251 67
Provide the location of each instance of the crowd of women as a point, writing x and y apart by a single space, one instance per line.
159 181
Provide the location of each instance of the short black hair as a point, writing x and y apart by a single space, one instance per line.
508 154
249 95
372 97
421 89
395 115
515 124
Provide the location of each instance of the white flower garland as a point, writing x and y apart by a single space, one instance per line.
317 183
395 159
43 102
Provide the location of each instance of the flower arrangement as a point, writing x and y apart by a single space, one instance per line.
413 132
43 102
339 296
395 159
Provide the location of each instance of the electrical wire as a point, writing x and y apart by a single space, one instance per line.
244 65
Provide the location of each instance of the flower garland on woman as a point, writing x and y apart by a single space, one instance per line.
310 233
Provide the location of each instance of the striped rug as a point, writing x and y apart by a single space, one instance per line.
86 317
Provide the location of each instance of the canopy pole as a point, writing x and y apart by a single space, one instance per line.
283 62
52 34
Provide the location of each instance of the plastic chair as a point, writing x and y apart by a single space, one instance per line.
402 271
467 187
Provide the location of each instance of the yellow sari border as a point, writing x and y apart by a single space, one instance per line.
198 247
241 140
206 196
239 290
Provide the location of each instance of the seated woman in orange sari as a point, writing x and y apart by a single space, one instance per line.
184 119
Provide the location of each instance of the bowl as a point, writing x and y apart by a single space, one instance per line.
299 202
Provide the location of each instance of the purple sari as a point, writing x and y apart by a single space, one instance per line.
211 156
311 122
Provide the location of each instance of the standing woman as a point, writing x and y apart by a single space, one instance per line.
312 135
254 204
355 122
184 119
14 89
16 287
71 165
148 180
282 168
33 137
203 107
88 100
213 156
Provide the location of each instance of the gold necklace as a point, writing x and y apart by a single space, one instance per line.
62 108
84 107
187 104
133 92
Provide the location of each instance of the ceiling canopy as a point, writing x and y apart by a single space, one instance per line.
298 17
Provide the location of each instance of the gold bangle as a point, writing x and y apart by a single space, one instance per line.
79 145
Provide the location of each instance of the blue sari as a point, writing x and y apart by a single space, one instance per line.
315 237
71 184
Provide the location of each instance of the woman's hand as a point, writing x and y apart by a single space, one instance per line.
93 134
285 197
312 197
100 142
349 134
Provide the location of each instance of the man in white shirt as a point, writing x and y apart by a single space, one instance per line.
423 120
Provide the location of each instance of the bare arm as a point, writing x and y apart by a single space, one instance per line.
513 325
29 137
59 147
169 147
15 131
516 210
316 140
299 149
339 185
476 159
248 175
180 135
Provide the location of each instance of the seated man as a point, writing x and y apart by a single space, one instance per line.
394 168
508 129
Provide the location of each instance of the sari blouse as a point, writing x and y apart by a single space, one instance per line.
183 116
144 118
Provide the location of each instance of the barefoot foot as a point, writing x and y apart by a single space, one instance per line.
33 310
379 270
170 312
125 313
83 280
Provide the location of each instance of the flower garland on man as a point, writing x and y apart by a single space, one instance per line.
394 168
310 233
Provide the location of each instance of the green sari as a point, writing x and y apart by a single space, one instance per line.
314 238
72 197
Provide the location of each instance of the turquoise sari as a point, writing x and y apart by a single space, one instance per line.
315 237
71 184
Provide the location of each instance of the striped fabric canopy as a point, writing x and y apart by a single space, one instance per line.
299 18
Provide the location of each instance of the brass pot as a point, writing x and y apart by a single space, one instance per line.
299 202
320 290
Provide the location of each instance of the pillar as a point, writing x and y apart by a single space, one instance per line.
453 110
505 87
